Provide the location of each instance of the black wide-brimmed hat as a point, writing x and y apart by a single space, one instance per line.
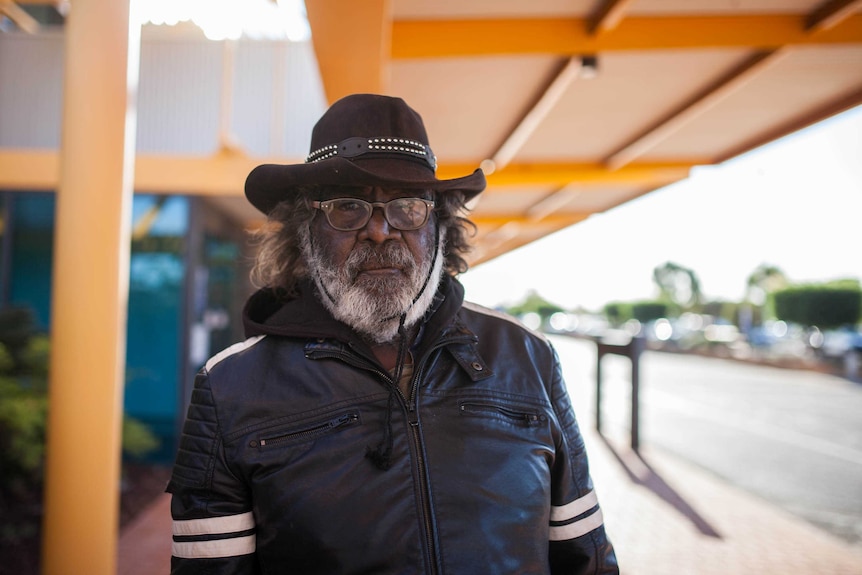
361 140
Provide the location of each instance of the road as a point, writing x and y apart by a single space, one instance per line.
791 437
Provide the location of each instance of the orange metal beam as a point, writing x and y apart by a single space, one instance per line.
560 174
29 170
220 175
89 290
569 36
552 220
352 44
223 174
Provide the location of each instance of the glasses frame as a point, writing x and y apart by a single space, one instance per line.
326 206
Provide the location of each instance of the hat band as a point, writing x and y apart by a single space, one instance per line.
355 147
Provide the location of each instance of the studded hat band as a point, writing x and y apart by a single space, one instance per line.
354 147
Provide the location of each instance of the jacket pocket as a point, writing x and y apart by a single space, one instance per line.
307 432
525 416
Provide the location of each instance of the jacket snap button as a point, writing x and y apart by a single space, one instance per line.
477 366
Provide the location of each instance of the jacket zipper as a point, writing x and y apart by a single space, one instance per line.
524 417
351 359
416 433
325 427
424 490
424 494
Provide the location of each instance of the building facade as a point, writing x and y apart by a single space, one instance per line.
189 253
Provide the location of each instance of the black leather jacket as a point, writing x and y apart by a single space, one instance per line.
489 473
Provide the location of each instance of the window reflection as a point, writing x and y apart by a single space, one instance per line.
156 287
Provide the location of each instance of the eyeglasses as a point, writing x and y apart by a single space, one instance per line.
349 214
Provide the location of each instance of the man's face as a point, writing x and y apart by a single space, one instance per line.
371 276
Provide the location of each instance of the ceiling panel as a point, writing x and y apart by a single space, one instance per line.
600 199
630 91
774 97
439 9
673 7
510 200
481 99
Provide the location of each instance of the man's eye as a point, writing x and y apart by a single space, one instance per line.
348 206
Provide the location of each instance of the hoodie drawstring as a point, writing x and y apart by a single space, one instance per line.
381 455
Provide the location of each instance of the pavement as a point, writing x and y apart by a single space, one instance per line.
663 515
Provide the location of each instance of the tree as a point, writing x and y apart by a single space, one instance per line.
617 312
677 284
764 280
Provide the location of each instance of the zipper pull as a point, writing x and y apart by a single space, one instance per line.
339 421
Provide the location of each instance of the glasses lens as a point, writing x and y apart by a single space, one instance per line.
407 213
348 214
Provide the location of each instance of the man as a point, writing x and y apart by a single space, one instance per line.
373 422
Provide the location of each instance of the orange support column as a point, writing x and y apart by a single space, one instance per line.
90 290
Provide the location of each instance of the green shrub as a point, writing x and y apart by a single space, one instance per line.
24 360
825 306
22 431
645 311
618 313
23 401
138 439
534 303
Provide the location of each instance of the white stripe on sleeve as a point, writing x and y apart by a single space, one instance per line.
575 508
214 548
576 529
215 525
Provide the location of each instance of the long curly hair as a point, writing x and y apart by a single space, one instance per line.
279 264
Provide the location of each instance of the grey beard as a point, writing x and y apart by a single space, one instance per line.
373 306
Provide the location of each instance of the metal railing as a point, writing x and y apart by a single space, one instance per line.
621 343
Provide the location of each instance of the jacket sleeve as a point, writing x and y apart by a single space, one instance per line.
577 540
213 523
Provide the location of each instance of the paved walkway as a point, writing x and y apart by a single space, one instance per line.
664 516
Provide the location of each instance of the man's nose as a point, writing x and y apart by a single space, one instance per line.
378 229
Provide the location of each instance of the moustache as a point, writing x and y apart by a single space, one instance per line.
388 255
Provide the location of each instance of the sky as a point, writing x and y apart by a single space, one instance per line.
795 204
